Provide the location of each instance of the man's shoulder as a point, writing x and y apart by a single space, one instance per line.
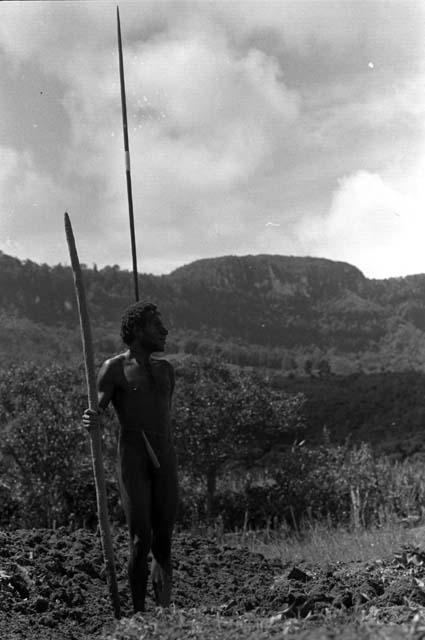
163 367
162 363
113 364
160 360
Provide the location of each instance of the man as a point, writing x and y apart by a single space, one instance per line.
140 389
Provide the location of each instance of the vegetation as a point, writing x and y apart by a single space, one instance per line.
45 465
179 625
387 410
225 415
225 423
321 544
338 485
298 316
275 491
279 452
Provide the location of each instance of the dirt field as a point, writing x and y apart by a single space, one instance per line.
52 586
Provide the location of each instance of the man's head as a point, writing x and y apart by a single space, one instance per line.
142 322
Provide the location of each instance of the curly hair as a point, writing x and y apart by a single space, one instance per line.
136 316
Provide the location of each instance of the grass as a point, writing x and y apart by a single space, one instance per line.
184 624
320 544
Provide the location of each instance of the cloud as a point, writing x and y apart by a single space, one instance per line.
370 224
200 127
211 119
237 117
27 200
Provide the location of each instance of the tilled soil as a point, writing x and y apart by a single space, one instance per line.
53 584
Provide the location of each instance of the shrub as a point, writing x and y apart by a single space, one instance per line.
47 477
45 451
223 414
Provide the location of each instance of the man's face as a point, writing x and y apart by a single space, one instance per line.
153 335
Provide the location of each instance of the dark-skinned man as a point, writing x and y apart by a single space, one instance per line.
140 389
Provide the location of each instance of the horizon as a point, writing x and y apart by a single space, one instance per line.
99 267
291 128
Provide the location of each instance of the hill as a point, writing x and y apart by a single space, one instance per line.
354 346
266 310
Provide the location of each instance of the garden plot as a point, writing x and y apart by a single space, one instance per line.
53 585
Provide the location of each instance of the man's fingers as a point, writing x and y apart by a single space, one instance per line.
90 419
91 412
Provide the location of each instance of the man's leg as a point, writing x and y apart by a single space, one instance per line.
136 499
164 511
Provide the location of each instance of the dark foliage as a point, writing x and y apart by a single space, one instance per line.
386 409
223 414
227 420
253 310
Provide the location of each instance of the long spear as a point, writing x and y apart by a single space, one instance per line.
127 159
150 451
95 437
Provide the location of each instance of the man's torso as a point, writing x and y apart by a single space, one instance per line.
142 398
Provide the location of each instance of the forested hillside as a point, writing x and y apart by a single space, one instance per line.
299 315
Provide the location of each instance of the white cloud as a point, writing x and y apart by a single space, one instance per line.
28 199
199 128
224 136
371 224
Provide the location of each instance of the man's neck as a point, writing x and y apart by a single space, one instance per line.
140 353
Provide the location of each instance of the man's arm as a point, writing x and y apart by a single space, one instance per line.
172 381
105 392
106 383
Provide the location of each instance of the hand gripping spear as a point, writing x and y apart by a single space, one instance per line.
95 437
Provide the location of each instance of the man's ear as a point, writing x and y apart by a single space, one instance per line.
138 332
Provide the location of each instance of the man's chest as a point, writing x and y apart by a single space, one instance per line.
146 380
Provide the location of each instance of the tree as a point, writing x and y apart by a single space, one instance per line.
324 368
308 367
41 444
224 414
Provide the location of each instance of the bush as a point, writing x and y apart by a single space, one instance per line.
47 477
223 414
339 485
45 451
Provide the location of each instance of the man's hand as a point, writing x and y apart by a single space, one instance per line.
91 419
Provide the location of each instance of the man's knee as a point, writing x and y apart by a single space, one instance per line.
164 510
140 541
161 546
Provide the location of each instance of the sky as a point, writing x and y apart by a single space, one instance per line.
290 127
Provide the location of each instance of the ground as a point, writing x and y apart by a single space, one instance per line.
53 586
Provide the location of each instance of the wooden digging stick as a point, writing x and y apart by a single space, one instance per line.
95 437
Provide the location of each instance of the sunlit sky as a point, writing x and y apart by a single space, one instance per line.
293 128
